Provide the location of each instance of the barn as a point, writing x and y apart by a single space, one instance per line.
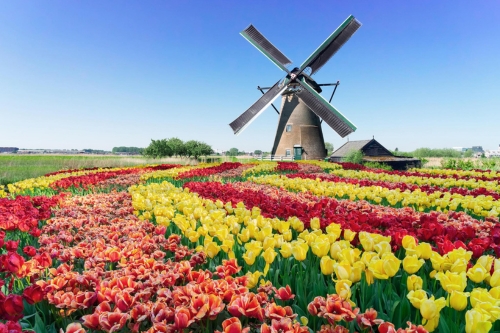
373 151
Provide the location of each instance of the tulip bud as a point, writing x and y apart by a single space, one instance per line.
458 300
414 282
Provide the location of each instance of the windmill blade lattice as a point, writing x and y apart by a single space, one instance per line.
266 47
331 45
246 118
336 120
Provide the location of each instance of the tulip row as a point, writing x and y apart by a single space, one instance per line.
439 228
421 178
487 175
479 206
78 178
205 172
476 174
214 227
400 185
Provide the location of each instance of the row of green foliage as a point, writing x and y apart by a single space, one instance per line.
176 147
463 164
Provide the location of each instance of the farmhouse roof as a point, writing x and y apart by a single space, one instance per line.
350 146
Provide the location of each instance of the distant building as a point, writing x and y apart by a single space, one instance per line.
477 149
11 150
373 151
493 153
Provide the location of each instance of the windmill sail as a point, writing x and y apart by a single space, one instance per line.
266 47
314 101
246 118
331 45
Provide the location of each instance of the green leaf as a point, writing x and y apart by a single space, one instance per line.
39 325
443 325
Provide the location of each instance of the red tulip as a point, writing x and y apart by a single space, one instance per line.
284 293
30 251
33 294
11 245
13 307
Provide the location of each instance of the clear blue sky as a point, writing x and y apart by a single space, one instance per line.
99 74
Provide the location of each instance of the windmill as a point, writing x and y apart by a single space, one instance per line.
302 108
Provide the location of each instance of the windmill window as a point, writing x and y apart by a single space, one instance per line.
288 152
288 128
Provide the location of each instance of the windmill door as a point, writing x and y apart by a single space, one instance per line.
297 153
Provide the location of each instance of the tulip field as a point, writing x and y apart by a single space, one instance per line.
303 246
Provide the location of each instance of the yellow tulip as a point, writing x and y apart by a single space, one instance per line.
343 289
350 255
253 279
486 261
495 279
452 281
391 264
333 231
299 250
458 300
286 250
437 261
212 249
326 263
342 270
409 242
320 246
411 264
431 308
481 295
459 266
269 255
250 257
416 297
432 324
477 322
296 224
382 248
349 235
477 273
495 292
315 223
366 240
244 235
269 242
357 269
424 250
414 282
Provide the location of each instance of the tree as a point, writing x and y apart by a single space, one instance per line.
257 152
468 153
233 152
329 147
177 146
158 149
196 149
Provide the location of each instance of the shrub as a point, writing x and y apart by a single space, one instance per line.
354 156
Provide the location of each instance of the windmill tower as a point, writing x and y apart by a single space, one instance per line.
302 108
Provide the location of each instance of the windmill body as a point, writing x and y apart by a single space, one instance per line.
298 127
299 131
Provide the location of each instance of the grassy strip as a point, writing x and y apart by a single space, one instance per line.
14 168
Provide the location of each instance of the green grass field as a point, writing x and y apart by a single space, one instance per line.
14 168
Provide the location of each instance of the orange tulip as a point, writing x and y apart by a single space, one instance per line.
246 305
233 325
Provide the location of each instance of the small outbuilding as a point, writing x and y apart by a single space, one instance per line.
373 151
